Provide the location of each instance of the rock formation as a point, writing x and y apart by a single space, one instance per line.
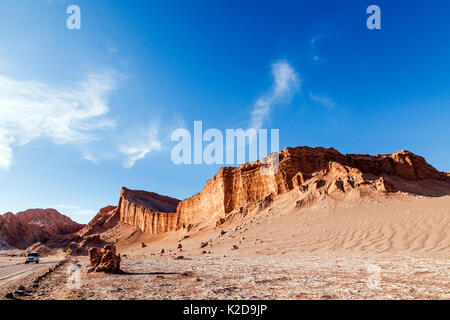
312 174
4 245
104 260
105 219
40 248
35 225
313 171
89 236
149 212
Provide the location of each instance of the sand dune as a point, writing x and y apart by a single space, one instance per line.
399 224
411 225
336 233
326 251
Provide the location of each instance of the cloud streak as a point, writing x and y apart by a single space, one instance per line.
30 110
322 100
315 56
145 143
72 210
285 83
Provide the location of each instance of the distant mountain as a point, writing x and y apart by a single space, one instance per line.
25 228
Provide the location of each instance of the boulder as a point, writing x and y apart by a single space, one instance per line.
104 260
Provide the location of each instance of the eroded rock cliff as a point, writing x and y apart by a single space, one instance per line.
314 172
104 220
148 211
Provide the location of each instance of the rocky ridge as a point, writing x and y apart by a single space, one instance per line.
25 228
315 173
148 211
312 174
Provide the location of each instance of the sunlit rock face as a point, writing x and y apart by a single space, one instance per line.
150 212
315 172
23 229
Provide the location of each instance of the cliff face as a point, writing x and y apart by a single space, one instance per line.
104 220
147 211
35 225
313 171
150 212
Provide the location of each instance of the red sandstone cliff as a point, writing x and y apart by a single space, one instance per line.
104 220
35 225
314 172
149 212
90 235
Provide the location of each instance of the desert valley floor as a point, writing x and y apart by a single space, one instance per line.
396 247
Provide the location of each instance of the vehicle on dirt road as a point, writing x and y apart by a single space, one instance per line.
32 257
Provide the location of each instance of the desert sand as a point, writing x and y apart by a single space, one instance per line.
322 225
397 247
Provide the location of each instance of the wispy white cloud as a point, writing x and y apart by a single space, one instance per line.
315 42
112 50
91 158
141 144
67 206
6 153
50 2
322 100
285 83
315 56
31 110
74 210
84 212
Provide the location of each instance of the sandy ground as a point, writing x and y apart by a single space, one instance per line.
393 248
262 277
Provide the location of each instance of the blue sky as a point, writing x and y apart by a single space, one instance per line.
85 112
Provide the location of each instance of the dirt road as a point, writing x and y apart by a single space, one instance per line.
14 272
